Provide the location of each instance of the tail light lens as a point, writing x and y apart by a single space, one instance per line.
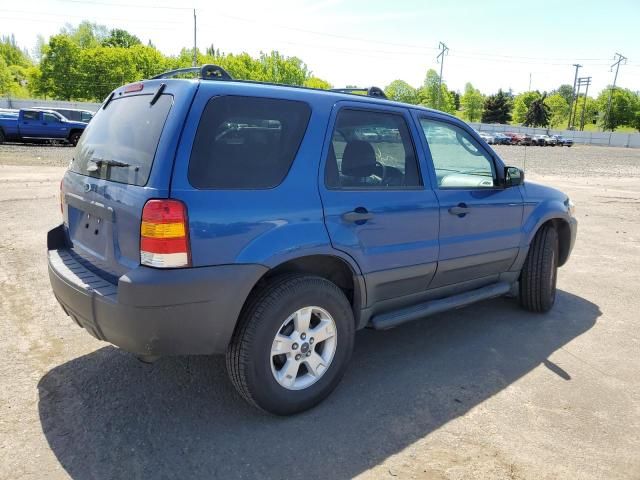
164 235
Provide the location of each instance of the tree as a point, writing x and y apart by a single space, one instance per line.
86 34
428 93
6 79
120 38
521 104
497 108
12 54
315 82
401 91
472 102
60 76
591 111
623 107
538 113
455 96
558 109
566 92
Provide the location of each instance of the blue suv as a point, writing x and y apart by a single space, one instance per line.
269 223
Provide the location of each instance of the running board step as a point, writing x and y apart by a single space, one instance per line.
397 317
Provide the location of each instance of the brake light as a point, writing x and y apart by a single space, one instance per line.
164 234
134 87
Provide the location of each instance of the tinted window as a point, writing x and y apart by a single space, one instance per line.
30 115
246 142
458 160
85 116
127 131
50 118
371 150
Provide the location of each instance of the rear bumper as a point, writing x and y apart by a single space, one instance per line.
151 311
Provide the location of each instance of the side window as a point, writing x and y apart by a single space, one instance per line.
85 116
30 115
371 150
458 160
246 142
50 118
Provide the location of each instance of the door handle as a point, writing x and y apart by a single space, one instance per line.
360 214
460 210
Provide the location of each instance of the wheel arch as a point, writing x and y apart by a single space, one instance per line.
332 267
563 228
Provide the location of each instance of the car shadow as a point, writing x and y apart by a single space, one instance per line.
106 415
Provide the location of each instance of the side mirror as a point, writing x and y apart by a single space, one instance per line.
513 177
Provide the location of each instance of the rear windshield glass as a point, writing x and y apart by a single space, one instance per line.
246 142
120 142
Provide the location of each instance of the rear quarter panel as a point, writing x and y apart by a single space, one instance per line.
267 226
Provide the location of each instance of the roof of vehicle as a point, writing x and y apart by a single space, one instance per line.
338 94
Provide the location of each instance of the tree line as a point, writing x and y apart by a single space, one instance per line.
87 61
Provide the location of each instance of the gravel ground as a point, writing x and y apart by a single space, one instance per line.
488 391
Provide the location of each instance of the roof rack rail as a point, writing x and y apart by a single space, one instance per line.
370 92
207 72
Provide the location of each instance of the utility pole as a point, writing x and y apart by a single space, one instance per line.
620 58
573 98
529 82
583 81
440 59
195 49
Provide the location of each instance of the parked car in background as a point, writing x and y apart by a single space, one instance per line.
31 125
519 138
259 221
487 137
502 139
563 141
73 114
543 141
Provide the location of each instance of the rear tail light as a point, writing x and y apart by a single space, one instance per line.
164 235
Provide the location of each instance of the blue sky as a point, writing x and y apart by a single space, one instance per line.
493 44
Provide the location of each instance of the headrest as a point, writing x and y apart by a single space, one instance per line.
358 159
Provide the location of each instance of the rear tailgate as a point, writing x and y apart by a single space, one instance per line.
124 158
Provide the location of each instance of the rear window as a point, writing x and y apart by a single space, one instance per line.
246 142
120 142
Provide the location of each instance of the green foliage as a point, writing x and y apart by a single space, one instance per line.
521 104
558 110
497 108
315 82
625 105
6 80
86 34
591 112
538 113
120 38
472 102
401 91
566 92
12 54
428 93
455 96
60 68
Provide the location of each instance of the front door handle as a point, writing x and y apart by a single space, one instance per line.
460 210
360 214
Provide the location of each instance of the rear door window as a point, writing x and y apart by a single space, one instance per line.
30 115
120 142
246 142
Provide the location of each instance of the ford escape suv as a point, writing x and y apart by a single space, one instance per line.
269 223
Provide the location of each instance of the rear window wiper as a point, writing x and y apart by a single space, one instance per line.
94 164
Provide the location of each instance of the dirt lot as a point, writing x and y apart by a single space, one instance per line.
485 392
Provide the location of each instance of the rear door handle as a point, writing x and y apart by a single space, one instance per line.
360 214
460 210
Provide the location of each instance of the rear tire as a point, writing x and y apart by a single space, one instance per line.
74 138
262 376
540 272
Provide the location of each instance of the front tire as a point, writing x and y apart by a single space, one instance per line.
540 272
292 344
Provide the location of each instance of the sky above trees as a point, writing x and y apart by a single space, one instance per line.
494 44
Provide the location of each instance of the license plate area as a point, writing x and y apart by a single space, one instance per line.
90 225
